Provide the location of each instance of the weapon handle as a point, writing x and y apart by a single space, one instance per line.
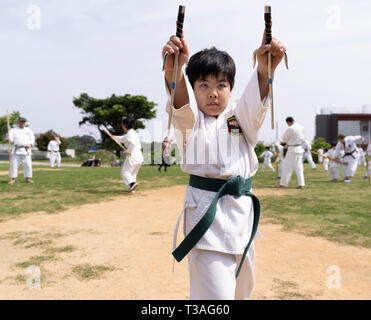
268 24
179 21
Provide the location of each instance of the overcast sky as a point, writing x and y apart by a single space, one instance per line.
103 47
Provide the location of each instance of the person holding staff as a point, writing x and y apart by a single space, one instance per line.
22 139
220 212
134 157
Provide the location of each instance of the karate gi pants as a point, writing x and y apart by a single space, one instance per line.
55 158
212 275
350 169
129 172
26 161
267 164
293 162
334 173
308 156
325 164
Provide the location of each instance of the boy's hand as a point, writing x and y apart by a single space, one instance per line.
276 48
175 46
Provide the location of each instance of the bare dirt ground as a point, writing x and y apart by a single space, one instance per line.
121 249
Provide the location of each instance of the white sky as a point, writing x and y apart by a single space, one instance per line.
114 46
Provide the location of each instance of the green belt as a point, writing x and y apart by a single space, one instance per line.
236 186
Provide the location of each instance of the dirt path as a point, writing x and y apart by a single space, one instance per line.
121 250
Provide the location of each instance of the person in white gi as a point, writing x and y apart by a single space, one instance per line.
350 158
267 155
368 153
216 141
361 156
320 153
22 139
280 157
325 161
334 166
294 137
53 148
308 154
134 157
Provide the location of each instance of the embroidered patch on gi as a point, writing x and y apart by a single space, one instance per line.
233 126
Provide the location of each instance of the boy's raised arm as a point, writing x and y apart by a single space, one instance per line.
176 46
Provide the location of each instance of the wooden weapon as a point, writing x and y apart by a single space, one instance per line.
179 34
103 128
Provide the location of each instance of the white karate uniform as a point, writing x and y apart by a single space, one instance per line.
134 161
326 162
294 137
368 152
20 138
351 160
55 156
361 157
320 151
307 154
280 159
211 147
267 160
334 166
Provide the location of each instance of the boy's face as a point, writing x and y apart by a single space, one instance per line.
212 94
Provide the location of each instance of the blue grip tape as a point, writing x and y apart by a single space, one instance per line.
270 80
173 85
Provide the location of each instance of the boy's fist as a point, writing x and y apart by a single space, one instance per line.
175 46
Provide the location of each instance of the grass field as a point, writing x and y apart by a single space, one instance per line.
337 211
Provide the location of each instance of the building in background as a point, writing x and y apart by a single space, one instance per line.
329 124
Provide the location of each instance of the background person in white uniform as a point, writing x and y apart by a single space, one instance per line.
55 155
267 155
308 154
368 153
294 137
348 145
216 141
22 139
134 157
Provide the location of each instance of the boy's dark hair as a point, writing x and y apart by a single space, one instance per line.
289 119
211 62
128 121
266 148
341 136
333 144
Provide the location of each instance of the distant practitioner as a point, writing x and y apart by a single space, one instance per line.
308 155
267 155
22 139
134 157
334 166
53 148
368 153
348 145
280 150
294 137
166 154
361 156
320 153
325 160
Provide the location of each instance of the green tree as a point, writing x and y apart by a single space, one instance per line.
43 140
81 144
13 118
110 111
319 143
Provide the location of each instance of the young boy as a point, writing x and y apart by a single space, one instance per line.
334 166
267 155
210 132
53 148
134 157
